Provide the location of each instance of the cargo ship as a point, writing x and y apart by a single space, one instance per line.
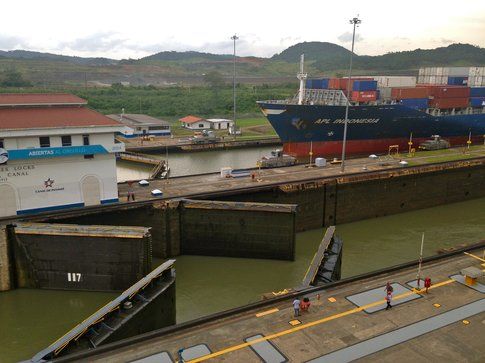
383 112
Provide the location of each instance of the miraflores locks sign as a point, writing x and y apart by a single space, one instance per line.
14 171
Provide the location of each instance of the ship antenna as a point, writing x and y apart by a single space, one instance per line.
302 77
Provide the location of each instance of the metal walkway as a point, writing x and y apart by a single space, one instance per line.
401 335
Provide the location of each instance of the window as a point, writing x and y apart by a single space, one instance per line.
89 156
45 141
2 144
85 139
201 126
66 140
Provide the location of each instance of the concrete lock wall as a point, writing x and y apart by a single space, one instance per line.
152 216
210 228
252 230
342 200
5 261
57 260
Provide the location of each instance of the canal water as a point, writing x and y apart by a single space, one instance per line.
196 162
32 319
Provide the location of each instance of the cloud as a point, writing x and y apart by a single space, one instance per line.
347 37
103 41
447 41
9 42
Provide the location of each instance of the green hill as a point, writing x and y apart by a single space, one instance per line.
189 68
314 51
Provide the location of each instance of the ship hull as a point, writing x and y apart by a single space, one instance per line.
371 129
361 147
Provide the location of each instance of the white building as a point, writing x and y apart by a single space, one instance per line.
220 123
55 153
195 123
141 125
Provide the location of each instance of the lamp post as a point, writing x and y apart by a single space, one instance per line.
234 38
354 22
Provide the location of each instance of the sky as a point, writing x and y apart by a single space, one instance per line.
134 29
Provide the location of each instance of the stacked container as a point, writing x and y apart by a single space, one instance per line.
445 97
317 83
476 77
341 83
364 90
477 96
458 81
441 75
395 81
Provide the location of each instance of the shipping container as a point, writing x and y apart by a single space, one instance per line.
395 81
449 103
458 71
476 81
439 91
409 92
363 96
385 93
364 85
477 92
477 101
317 83
458 81
416 103
341 83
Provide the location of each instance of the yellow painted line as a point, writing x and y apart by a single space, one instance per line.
267 312
308 325
471 255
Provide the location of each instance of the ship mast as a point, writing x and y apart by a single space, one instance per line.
302 77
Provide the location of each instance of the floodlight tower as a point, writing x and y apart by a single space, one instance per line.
355 21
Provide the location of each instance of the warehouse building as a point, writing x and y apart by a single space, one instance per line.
142 125
55 153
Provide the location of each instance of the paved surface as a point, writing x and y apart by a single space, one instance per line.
189 185
454 332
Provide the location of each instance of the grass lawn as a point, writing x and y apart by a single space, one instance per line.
437 156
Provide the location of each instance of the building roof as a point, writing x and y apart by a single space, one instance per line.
190 119
52 117
135 119
39 99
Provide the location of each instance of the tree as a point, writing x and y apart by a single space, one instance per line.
214 79
13 78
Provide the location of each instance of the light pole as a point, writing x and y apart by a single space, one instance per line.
234 38
355 22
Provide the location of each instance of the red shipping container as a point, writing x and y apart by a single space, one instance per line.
446 91
409 92
341 83
363 96
449 102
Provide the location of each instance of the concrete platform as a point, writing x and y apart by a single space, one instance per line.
445 325
211 183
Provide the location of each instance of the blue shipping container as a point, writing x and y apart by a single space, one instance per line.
317 83
457 81
415 103
477 101
477 92
364 86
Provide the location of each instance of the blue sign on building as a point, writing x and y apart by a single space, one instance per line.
53 152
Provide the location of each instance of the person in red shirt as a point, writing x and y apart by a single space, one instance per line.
305 304
427 283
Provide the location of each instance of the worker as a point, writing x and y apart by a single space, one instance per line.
389 288
296 307
388 300
305 304
131 192
427 283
